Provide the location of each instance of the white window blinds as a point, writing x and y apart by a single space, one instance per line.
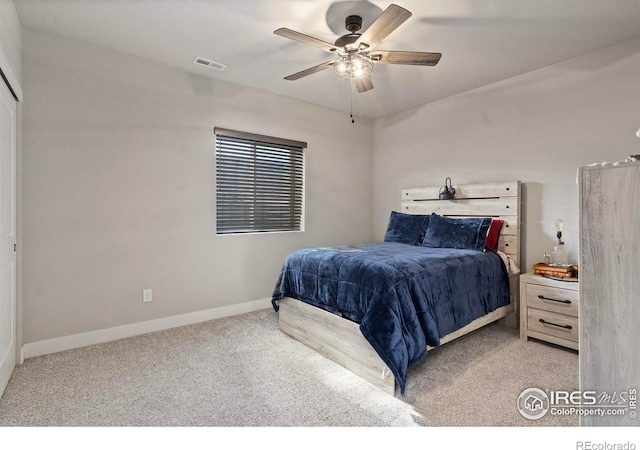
259 183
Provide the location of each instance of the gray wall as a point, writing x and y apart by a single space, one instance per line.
538 128
119 188
118 173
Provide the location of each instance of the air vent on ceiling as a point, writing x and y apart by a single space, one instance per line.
208 63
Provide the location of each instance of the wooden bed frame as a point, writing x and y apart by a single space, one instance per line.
340 339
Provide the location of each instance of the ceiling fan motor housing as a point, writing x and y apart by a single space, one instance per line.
353 24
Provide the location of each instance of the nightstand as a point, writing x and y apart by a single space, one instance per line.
549 310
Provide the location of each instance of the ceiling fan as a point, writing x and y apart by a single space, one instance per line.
356 52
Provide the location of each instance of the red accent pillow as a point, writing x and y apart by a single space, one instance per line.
493 235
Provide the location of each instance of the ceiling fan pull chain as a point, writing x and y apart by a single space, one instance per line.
351 98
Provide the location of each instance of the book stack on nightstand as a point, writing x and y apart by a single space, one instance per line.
554 271
549 309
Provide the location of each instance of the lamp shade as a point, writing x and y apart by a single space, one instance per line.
353 66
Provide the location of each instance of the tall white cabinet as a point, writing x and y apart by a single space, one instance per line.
609 197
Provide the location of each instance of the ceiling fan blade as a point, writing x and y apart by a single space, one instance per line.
303 38
364 84
310 71
390 19
407 58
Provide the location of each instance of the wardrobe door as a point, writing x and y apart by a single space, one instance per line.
7 235
610 289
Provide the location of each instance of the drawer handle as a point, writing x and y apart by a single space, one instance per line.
567 327
542 297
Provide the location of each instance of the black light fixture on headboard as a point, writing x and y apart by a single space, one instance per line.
447 191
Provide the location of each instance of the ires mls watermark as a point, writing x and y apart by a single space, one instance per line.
534 403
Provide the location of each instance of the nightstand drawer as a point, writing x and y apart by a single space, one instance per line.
562 301
559 325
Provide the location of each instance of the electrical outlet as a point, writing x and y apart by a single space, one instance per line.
147 295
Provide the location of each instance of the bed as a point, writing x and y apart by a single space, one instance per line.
378 308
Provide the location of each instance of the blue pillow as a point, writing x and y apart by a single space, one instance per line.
447 232
406 228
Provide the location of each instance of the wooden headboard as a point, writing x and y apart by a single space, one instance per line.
497 200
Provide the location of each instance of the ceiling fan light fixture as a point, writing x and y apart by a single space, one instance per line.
353 58
353 66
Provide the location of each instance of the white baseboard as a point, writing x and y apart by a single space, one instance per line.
60 344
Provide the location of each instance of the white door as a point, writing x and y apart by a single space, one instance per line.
7 235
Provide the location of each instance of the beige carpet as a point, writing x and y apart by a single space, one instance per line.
476 379
242 371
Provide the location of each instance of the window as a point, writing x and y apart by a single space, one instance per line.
259 183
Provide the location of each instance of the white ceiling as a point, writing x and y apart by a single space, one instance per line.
482 41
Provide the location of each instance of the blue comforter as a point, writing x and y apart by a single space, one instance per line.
404 297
